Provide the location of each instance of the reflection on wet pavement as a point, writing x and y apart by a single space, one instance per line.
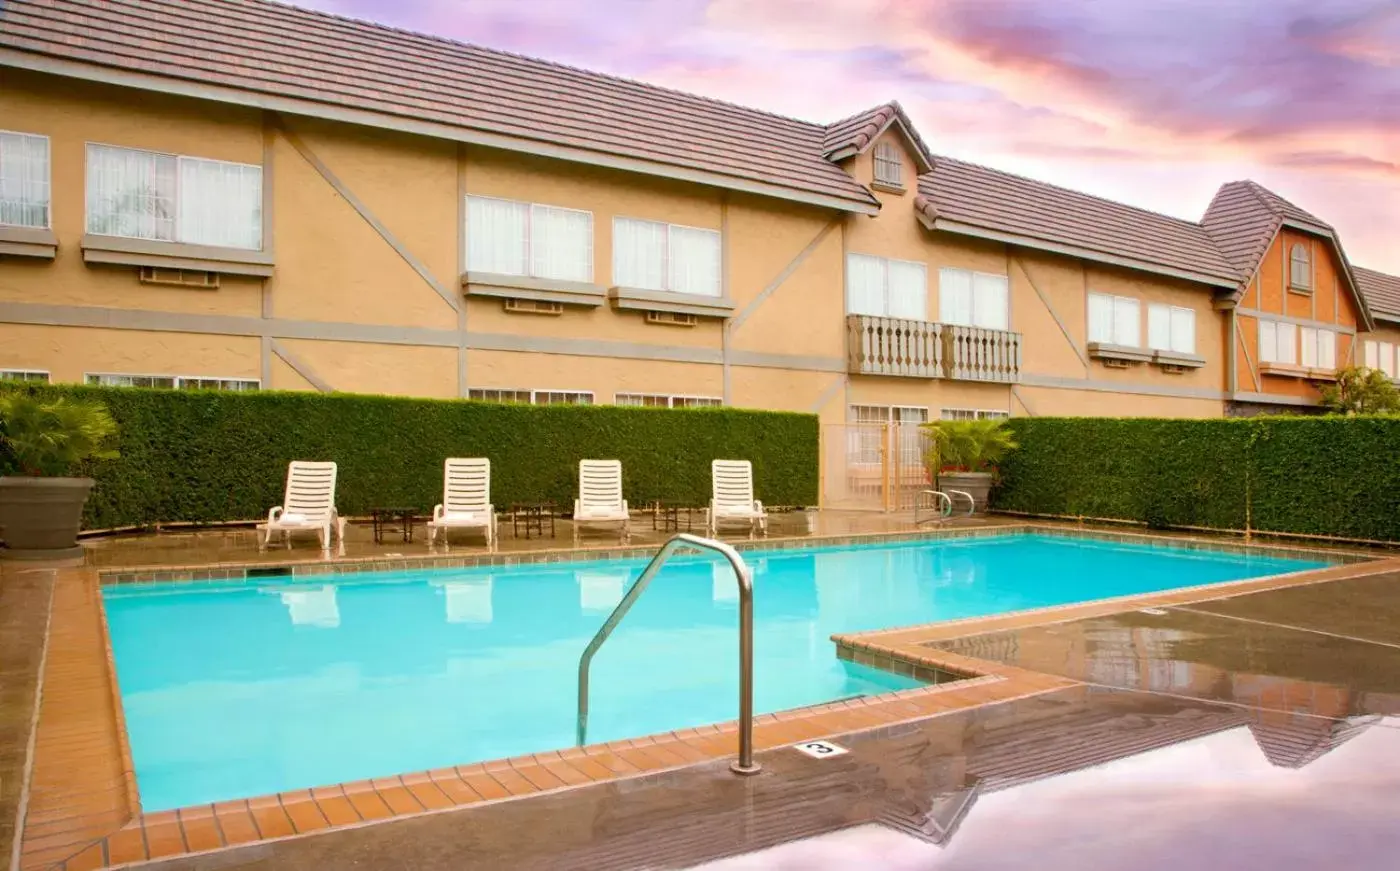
1083 777
1191 651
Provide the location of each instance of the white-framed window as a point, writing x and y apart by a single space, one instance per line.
172 382
889 169
1115 320
974 299
651 255
1171 328
973 414
863 443
529 239
28 376
1299 267
530 397
1278 342
662 400
171 198
1381 355
1319 348
24 179
886 288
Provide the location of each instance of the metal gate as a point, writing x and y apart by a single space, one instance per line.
873 466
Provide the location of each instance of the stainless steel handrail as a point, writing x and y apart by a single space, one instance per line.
745 763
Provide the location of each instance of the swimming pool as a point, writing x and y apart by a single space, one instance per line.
233 690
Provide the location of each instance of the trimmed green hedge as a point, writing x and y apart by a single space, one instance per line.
1313 475
207 456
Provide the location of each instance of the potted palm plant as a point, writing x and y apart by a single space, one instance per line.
963 455
43 440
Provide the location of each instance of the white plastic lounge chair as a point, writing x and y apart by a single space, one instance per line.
600 495
308 506
732 498
466 499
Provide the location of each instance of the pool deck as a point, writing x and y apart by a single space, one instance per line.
81 808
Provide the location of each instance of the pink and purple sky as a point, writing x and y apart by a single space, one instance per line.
1148 102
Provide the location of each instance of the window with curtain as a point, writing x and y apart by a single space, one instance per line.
529 239
973 299
1278 343
172 382
889 169
1114 320
1381 355
662 400
1319 348
886 288
651 255
166 197
1171 328
24 180
1299 267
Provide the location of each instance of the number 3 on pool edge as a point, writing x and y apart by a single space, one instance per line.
818 747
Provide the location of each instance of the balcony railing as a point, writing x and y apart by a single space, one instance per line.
894 346
977 354
921 349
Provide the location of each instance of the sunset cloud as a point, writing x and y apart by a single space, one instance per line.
1154 104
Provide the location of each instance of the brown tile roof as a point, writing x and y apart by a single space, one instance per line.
856 133
966 193
269 48
1381 291
1244 216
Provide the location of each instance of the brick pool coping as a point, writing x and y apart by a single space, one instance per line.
84 809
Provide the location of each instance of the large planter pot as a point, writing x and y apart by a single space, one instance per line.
975 484
40 517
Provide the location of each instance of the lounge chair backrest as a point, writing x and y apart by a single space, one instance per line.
733 482
466 484
600 483
310 490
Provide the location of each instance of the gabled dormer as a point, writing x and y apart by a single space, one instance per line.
879 148
1297 308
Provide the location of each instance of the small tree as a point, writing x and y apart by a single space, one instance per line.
1359 390
50 437
967 445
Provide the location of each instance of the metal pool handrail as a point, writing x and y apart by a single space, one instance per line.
745 763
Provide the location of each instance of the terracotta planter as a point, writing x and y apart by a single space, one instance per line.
40 517
975 484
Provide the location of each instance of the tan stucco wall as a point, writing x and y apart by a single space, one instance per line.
332 267
70 353
1091 403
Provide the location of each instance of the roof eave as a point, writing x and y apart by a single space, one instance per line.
72 69
995 235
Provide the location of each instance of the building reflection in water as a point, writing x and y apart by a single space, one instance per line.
468 601
315 606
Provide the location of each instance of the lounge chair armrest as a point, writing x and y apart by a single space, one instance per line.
274 513
757 506
437 513
624 507
578 508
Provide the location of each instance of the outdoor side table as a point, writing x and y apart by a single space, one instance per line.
531 516
385 516
666 515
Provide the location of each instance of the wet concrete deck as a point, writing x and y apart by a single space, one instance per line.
1254 731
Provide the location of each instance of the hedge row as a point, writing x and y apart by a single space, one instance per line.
205 456
1314 475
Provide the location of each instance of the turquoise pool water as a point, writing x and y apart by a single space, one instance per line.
238 690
